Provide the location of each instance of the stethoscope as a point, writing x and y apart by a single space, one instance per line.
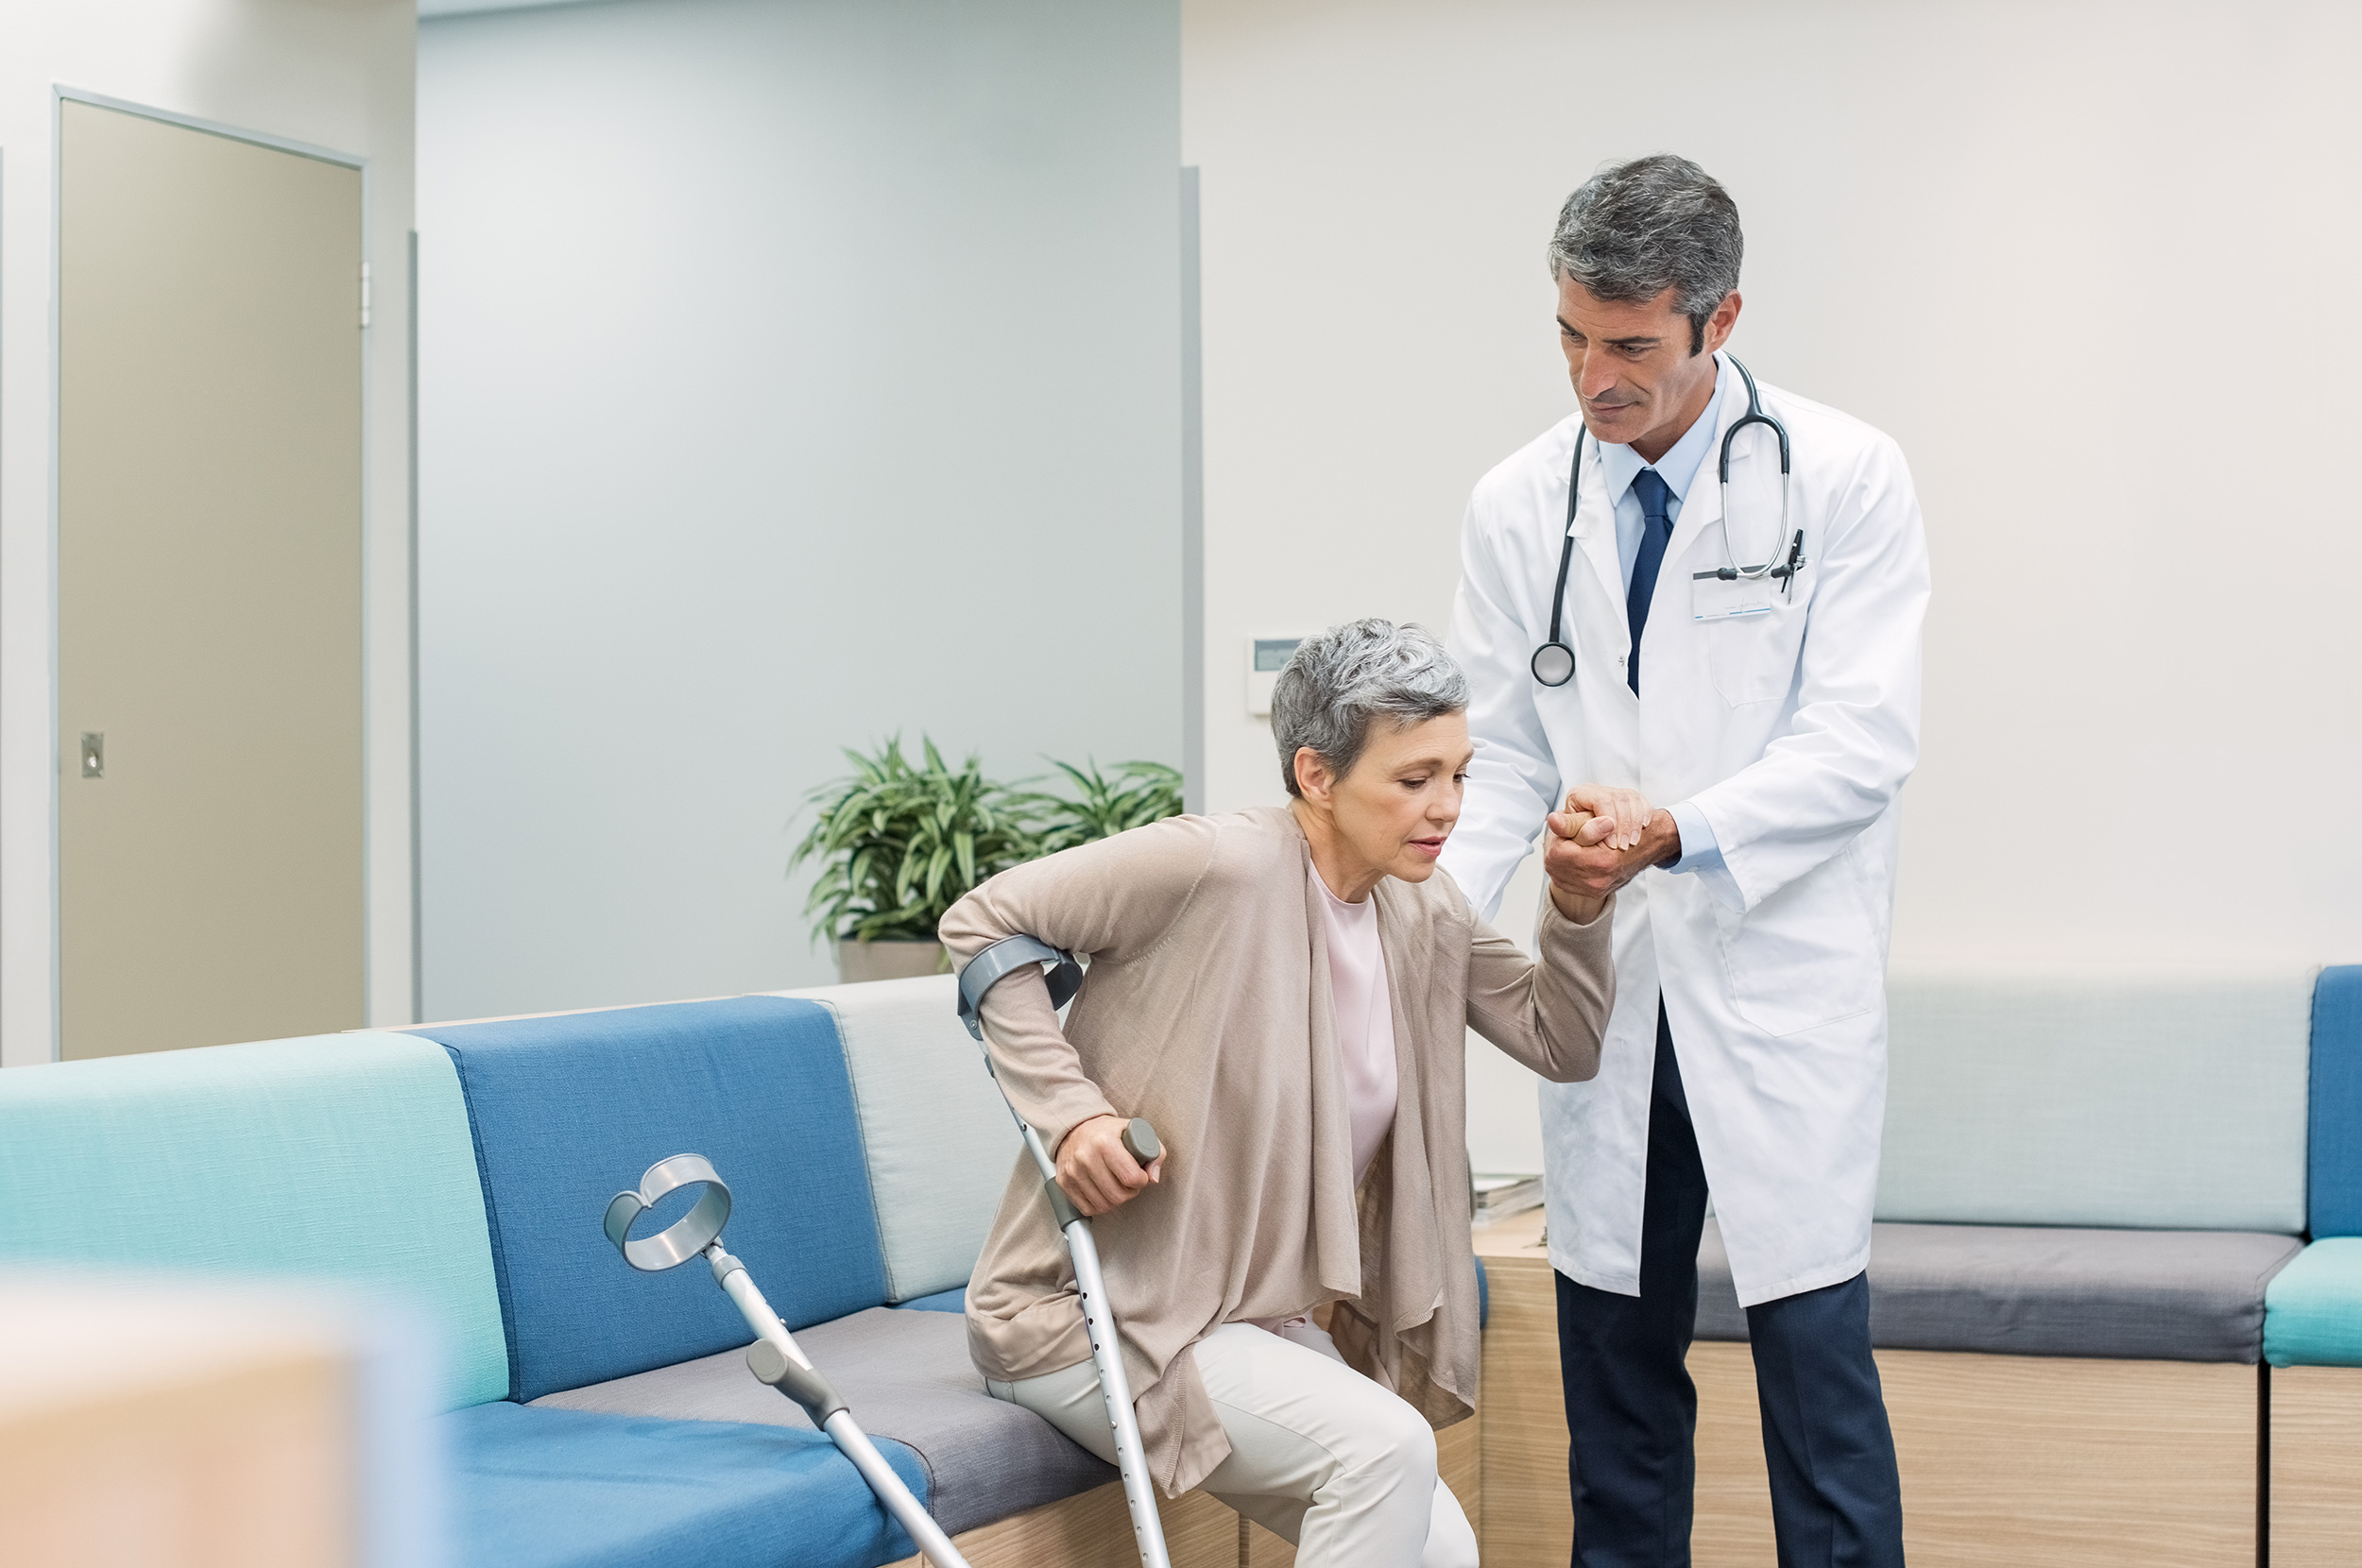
1555 661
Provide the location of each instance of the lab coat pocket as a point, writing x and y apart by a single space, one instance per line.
1754 657
1805 956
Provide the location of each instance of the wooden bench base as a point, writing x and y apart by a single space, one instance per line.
2316 1467
1093 1529
2038 1462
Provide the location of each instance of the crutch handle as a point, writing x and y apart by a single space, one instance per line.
1141 1142
804 1385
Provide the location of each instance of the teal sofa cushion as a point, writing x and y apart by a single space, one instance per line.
343 1157
2313 1312
570 1489
937 1136
2158 1099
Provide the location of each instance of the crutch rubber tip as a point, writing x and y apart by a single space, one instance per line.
1141 1142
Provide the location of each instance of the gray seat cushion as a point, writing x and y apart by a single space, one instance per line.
2029 1290
907 1376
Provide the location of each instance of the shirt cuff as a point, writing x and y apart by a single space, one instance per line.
1702 854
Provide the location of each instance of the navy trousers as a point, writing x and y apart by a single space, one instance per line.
1631 1412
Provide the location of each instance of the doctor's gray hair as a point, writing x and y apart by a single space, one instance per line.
1340 683
1634 230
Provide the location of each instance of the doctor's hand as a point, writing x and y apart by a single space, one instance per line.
1626 812
1580 859
1097 1171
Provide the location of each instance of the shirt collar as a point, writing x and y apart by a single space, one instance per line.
1678 468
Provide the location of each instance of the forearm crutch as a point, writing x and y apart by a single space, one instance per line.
773 1358
986 969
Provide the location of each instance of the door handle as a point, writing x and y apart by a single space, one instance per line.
94 754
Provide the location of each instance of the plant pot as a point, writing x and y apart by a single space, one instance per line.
877 961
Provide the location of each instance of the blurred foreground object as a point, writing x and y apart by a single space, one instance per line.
166 1423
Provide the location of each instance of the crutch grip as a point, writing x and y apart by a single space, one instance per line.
803 1385
1141 1142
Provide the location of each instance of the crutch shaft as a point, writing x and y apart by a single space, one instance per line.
839 1424
740 1287
924 1532
1140 1495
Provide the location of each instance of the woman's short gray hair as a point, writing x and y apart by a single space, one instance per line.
1634 230
1338 683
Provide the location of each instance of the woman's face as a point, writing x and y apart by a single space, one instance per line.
1393 810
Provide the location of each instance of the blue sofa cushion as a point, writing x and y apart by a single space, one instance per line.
907 1376
569 1110
2336 1130
2035 1291
569 1488
2313 1312
953 1300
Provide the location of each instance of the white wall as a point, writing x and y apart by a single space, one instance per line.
2091 263
792 374
334 74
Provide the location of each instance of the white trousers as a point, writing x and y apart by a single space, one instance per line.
1320 1456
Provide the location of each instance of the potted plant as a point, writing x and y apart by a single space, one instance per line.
901 842
1132 794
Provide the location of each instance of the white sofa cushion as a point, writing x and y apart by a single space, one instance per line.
2166 1100
939 1137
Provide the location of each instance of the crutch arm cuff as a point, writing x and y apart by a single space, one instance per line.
1004 957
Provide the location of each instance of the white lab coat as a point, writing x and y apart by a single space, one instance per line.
1793 732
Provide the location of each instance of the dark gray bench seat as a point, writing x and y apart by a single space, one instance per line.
2038 1290
907 1376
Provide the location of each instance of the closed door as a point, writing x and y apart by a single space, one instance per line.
208 587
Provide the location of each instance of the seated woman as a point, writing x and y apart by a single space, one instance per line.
1285 994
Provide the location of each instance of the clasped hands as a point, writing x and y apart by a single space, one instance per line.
1602 839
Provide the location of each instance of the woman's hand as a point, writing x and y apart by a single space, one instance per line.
1097 1171
1586 831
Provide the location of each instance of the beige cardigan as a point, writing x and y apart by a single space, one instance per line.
1201 1013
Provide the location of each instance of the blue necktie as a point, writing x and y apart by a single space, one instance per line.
1652 494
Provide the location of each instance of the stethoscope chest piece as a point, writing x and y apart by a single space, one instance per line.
1553 664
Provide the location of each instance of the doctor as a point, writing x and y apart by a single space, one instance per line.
1779 715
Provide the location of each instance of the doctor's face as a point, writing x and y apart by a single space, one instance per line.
1632 367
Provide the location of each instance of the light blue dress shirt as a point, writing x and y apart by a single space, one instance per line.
1679 468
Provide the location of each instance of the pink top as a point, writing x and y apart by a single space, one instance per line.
1365 1041
1365 1020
